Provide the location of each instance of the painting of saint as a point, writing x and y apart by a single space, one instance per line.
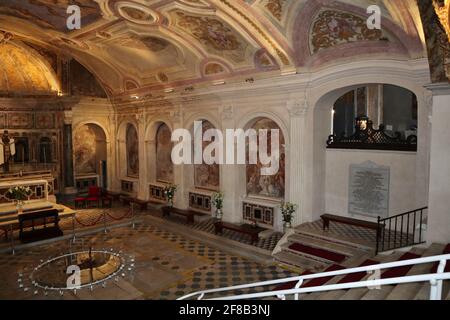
164 165
84 144
207 176
271 186
132 144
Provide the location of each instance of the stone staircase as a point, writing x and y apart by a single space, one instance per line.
300 261
410 291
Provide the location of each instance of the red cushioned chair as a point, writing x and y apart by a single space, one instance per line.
94 195
80 202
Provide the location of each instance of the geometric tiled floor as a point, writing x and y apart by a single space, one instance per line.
168 265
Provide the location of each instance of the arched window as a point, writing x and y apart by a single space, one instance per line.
272 186
207 176
22 150
375 116
164 165
132 144
392 106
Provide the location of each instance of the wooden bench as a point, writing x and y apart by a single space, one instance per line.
186 213
346 220
43 224
141 203
246 229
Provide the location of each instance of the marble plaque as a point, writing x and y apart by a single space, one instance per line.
369 190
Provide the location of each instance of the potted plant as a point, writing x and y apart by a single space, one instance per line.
169 192
287 210
217 201
19 194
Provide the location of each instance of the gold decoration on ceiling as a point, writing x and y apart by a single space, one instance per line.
442 8
23 72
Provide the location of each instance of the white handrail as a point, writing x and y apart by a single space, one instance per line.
435 280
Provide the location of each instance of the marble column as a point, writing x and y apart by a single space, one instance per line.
179 173
295 154
439 189
142 192
68 172
231 176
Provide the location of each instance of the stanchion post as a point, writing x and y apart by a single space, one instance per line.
132 214
73 227
12 239
104 221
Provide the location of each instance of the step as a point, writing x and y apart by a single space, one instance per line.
358 293
285 248
334 240
325 244
298 261
408 291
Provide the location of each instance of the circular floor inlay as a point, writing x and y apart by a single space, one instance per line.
94 267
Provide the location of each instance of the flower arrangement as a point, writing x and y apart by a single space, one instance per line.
19 193
169 192
287 210
217 200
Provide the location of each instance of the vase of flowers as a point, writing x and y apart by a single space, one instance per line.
169 192
19 194
217 201
287 210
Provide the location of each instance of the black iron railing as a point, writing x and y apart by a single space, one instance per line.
402 230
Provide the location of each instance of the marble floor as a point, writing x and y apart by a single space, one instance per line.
167 265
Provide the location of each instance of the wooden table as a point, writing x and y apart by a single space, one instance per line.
347 220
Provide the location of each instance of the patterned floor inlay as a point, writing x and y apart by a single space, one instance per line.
207 225
168 266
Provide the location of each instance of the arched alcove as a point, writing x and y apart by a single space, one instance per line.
399 110
206 176
163 149
257 184
132 150
90 153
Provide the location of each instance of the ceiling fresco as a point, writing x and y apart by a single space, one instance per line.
136 46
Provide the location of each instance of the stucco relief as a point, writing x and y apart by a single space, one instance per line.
332 28
276 8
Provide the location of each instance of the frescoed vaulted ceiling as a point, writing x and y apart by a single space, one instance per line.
135 46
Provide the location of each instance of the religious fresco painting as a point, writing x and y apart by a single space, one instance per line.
207 176
85 150
266 186
132 144
164 165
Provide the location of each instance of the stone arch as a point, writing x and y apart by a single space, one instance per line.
322 98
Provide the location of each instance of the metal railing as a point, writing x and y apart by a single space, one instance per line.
435 280
402 230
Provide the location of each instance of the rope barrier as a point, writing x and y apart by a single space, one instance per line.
128 214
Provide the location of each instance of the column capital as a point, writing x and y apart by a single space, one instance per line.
297 108
68 117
